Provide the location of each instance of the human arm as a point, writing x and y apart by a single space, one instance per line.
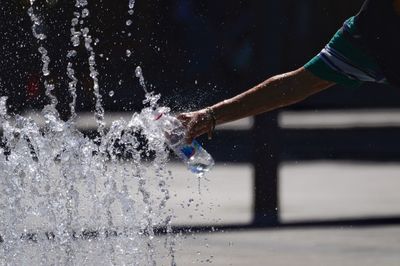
275 92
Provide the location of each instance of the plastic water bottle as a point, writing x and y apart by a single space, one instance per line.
197 159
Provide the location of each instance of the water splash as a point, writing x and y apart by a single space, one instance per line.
59 190
66 199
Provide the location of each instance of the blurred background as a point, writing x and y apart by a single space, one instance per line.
204 51
331 160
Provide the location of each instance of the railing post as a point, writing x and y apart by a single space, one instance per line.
270 47
266 162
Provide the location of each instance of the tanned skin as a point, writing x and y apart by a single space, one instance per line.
278 91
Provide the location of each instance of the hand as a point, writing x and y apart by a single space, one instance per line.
197 123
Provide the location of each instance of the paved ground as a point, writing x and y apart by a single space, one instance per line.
330 247
310 191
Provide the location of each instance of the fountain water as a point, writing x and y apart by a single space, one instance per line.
66 199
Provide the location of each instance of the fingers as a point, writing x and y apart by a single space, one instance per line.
192 127
187 120
196 124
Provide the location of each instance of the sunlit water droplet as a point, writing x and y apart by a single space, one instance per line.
138 72
131 4
85 13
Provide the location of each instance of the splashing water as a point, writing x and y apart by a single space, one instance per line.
77 200
66 199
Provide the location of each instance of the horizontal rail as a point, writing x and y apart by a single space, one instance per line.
335 119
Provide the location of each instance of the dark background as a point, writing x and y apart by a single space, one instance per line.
194 53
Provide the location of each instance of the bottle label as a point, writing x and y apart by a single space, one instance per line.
190 150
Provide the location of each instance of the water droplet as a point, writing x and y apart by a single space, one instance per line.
138 72
131 4
74 22
71 53
111 93
85 13
128 53
128 22
75 41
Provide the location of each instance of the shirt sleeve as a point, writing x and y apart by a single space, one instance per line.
343 62
322 70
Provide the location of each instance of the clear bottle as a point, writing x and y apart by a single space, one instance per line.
197 159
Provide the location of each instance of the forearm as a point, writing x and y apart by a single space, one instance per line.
276 92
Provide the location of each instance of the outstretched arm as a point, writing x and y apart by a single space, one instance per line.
275 92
